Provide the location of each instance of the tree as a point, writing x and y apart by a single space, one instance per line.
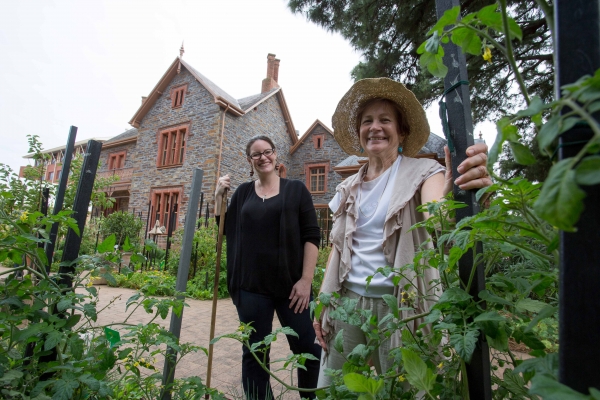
388 33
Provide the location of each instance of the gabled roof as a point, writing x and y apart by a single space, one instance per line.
307 134
222 98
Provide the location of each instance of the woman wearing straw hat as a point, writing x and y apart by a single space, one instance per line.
272 247
373 209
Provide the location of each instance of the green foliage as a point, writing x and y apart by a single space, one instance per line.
122 225
320 269
51 346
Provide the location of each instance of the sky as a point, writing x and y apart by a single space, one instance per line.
88 64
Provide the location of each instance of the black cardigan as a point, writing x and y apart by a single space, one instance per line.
298 225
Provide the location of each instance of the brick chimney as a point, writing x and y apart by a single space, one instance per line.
270 82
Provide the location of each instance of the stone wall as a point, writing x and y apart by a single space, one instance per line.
202 114
267 119
330 153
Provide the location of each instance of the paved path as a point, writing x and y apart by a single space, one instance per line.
195 328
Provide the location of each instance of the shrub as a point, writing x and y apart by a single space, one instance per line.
122 225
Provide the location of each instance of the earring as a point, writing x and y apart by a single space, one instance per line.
251 172
361 150
276 165
399 149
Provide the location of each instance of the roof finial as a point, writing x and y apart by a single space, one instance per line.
181 51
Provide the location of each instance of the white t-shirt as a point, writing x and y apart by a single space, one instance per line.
373 200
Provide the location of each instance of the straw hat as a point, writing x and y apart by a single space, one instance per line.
344 118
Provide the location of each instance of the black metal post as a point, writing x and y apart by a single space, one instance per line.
577 53
200 210
182 276
60 194
147 221
206 217
461 131
80 208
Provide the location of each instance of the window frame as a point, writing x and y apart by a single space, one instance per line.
164 196
117 158
309 176
177 95
171 142
319 141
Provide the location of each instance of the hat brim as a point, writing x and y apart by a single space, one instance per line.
344 118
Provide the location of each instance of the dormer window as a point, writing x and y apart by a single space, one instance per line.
178 95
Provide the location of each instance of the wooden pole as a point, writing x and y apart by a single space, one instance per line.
216 286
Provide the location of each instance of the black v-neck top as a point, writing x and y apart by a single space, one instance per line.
260 225
265 241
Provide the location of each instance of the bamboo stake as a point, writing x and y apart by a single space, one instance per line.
216 287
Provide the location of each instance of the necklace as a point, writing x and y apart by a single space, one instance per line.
389 171
264 196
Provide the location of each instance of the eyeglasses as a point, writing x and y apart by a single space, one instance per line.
267 153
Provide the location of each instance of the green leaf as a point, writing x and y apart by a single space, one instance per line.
108 244
449 18
63 389
52 339
361 384
417 372
514 30
506 131
536 106
548 133
561 200
433 43
490 316
500 341
465 343
454 295
530 305
338 343
544 313
437 67
522 154
550 389
64 304
392 302
588 171
468 41
89 309
488 16
126 244
89 381
10 375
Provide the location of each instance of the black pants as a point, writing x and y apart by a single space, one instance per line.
259 310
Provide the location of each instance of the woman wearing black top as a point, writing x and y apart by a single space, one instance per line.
272 247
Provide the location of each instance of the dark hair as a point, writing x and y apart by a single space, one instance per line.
403 127
257 138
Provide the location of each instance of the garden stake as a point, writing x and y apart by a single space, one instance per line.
460 133
216 287
181 284
577 53
60 194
